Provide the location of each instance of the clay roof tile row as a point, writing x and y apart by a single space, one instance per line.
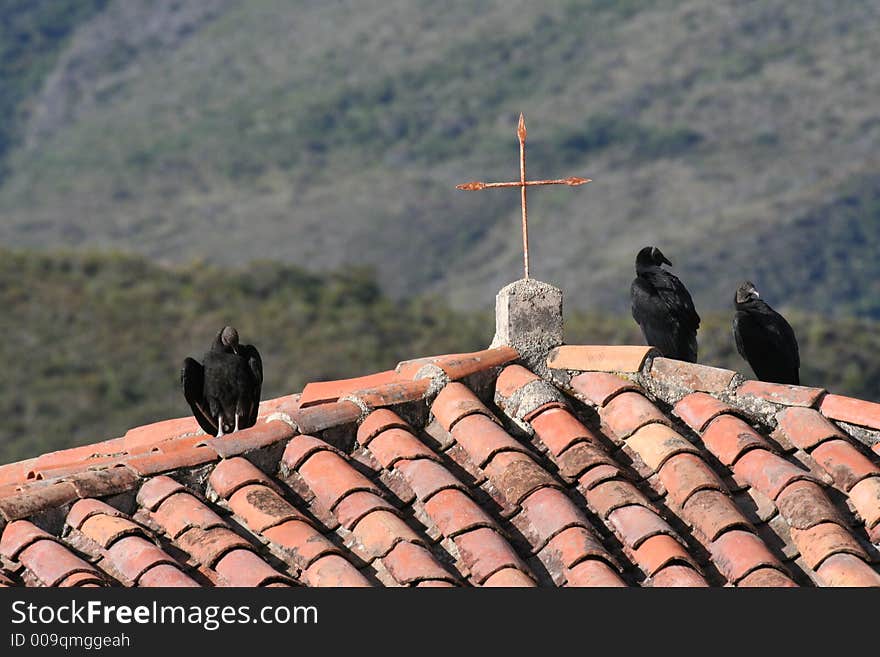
618 467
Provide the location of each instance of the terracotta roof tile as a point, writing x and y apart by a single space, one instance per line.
593 573
595 476
334 571
393 445
331 478
322 392
581 457
300 541
685 474
33 499
844 569
357 505
610 495
378 421
729 438
766 578
244 568
549 511
409 369
485 552
865 496
512 379
261 507
779 393
699 408
570 547
454 494
87 508
105 530
157 490
183 511
18 535
846 464
691 376
657 443
409 563
150 464
323 416
166 576
853 411
458 366
427 478
636 524
737 553
510 577
805 427
82 579
134 556
598 388
712 513
768 472
207 546
588 358
558 430
517 476
456 402
74 455
823 540
141 439
803 504
51 562
391 394
16 473
483 439
660 551
377 533
231 474
675 575
262 434
301 448
455 513
628 412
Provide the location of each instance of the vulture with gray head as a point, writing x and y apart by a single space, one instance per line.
224 390
764 338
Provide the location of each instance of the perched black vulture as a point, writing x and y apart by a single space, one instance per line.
663 308
764 338
224 392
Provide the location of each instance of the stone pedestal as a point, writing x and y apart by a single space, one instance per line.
528 317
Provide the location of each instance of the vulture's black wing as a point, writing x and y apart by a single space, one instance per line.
652 315
664 309
740 329
767 341
255 364
681 307
192 378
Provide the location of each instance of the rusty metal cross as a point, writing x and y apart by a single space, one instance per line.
522 184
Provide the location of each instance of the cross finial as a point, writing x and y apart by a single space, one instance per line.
573 181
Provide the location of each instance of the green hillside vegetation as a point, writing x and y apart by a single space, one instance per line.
740 137
32 34
93 342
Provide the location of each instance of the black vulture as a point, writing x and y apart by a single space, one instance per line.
224 391
663 308
764 338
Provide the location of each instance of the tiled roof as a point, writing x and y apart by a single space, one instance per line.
616 468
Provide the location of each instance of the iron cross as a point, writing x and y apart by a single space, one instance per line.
522 184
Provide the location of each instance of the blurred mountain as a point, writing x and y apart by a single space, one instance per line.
740 136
